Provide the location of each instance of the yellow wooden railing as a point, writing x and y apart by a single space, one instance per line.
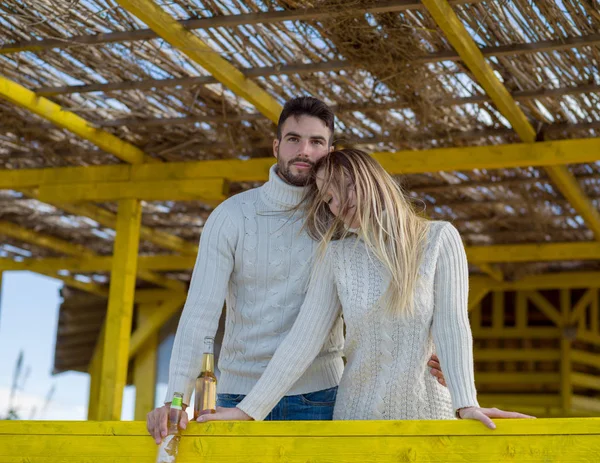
541 440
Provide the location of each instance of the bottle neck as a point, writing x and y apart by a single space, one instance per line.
208 363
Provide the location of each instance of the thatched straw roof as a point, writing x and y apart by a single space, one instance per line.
394 79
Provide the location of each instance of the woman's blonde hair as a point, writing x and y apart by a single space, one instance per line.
387 221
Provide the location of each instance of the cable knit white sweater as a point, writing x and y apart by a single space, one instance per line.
386 375
253 255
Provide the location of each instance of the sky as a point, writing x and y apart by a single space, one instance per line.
28 318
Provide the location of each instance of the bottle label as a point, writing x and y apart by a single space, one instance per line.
177 403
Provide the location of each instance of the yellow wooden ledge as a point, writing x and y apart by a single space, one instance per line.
542 440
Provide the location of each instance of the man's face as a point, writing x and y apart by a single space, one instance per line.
304 141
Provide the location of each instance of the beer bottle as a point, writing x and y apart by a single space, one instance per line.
206 383
167 451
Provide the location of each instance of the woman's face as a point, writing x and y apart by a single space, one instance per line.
331 197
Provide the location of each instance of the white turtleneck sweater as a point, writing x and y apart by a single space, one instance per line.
386 375
254 256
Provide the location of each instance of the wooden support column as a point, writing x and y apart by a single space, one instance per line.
144 374
94 371
120 310
566 387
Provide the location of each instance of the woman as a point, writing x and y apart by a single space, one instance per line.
402 283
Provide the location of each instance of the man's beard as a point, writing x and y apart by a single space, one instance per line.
294 179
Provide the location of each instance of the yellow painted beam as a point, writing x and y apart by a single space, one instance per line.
545 307
257 170
83 255
469 53
109 220
544 281
492 271
566 367
502 377
188 43
95 371
591 359
572 191
516 355
579 308
85 264
88 262
88 287
144 366
39 239
21 96
518 333
207 190
534 252
120 310
559 439
586 380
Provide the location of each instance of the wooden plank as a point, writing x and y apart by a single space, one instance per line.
144 365
534 252
309 429
516 355
399 162
120 310
579 309
586 358
566 367
585 380
514 333
502 377
545 307
208 190
297 449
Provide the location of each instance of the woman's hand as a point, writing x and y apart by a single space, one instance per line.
484 415
225 414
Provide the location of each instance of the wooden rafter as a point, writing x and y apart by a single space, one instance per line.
470 54
199 52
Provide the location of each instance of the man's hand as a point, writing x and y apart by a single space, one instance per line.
157 419
225 414
484 415
436 370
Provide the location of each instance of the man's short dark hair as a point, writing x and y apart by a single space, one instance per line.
306 106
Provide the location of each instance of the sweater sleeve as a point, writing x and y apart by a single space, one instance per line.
451 329
303 343
204 304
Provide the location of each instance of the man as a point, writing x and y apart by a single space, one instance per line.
254 255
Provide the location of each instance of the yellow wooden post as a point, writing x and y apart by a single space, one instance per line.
144 374
94 371
120 310
566 387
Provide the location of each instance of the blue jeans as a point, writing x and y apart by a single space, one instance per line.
312 406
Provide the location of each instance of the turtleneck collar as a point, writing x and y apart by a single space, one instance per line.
277 192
